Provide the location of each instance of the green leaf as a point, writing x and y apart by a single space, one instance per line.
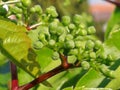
115 83
82 88
112 46
91 79
68 88
114 20
2 59
16 45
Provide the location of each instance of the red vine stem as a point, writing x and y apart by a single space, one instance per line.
64 66
43 77
14 85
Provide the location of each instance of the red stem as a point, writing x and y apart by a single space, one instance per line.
64 61
44 77
14 85
64 66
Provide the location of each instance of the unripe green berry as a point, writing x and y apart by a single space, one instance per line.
85 65
19 16
98 44
52 11
19 5
78 44
104 69
79 38
91 30
16 10
82 25
51 42
71 26
52 27
110 74
89 44
38 9
83 32
26 3
103 55
69 37
62 37
55 56
41 36
38 45
32 10
60 30
73 52
85 55
77 19
69 44
93 55
66 20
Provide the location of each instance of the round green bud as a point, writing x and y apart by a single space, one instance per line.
110 74
104 69
78 44
73 52
60 30
93 55
98 44
38 45
66 20
85 55
85 65
77 19
19 16
79 38
103 56
51 42
55 56
52 27
16 10
3 11
62 38
38 9
91 30
69 44
82 25
69 37
52 11
26 3
71 26
89 44
19 5
32 10
82 32
41 36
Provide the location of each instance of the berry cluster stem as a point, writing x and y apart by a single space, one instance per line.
63 67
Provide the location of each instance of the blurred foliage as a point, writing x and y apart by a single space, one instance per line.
65 7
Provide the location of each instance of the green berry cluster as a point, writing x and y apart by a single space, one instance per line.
71 37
